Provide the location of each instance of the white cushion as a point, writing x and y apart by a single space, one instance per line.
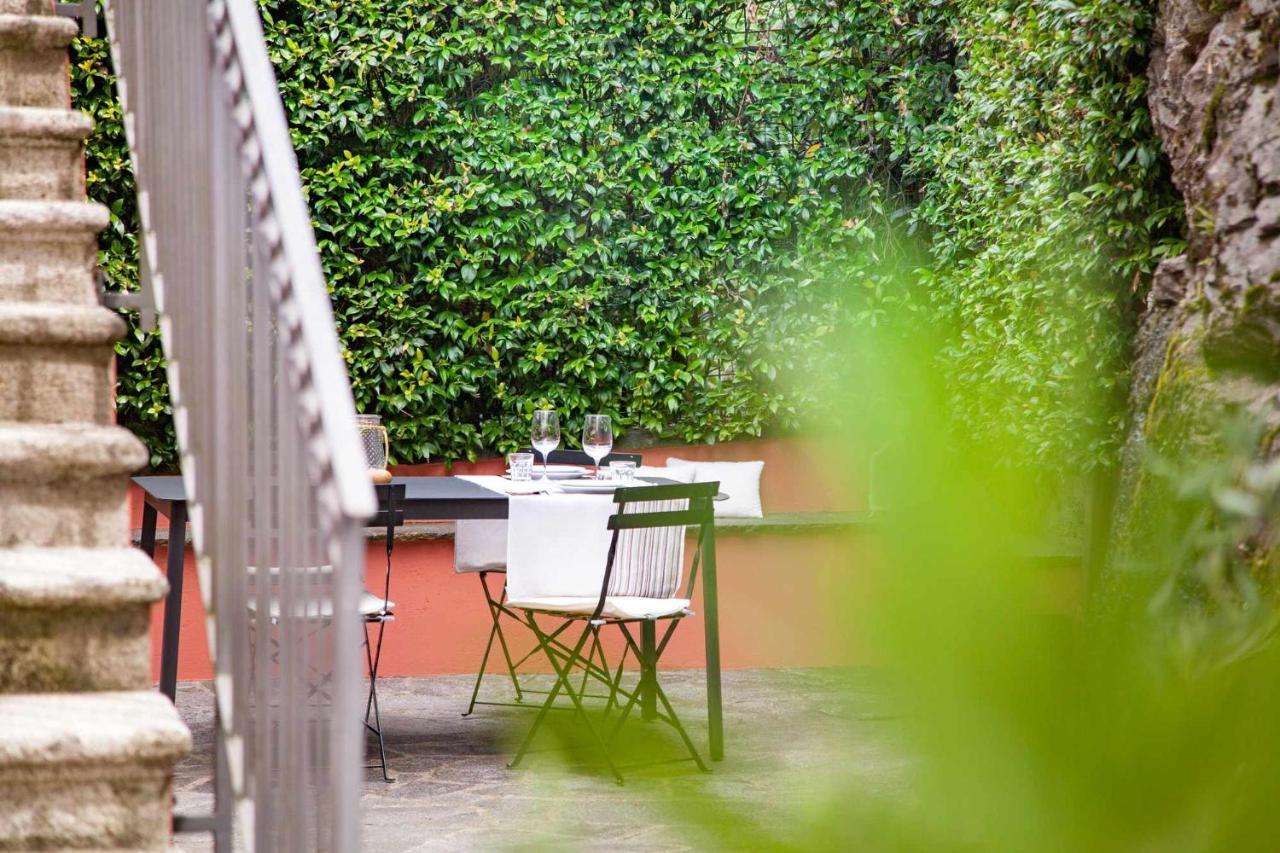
680 474
480 546
740 481
369 605
615 606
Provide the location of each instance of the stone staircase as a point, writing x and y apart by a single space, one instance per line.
87 746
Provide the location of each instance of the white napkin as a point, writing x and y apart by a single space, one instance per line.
557 545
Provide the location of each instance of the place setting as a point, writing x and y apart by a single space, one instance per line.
524 476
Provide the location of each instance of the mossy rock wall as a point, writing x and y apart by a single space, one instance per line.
1210 337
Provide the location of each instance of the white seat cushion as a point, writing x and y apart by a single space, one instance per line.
615 606
369 605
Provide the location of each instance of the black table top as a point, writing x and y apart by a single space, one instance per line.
445 497
434 488
425 498
163 487
445 488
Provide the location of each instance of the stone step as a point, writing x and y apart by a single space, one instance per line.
26 7
33 60
64 485
90 771
76 619
49 250
56 363
40 153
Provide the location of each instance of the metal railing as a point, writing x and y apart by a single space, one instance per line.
276 483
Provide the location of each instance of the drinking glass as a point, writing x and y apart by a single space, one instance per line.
623 470
597 438
521 467
546 434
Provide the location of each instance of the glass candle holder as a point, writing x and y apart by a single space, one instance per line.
622 471
521 467
376 446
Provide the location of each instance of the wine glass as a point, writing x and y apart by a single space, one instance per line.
546 434
597 438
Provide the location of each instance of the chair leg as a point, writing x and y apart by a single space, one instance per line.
591 657
615 683
648 673
600 673
675 723
658 694
563 674
374 657
622 718
496 611
484 662
546 705
502 642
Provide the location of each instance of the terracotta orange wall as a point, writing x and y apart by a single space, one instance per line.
786 598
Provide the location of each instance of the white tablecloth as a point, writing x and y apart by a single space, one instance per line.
480 545
557 543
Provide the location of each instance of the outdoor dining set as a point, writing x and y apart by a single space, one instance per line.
587 543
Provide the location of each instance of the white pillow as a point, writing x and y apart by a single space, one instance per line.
681 474
740 481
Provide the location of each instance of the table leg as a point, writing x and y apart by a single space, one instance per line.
711 614
173 603
648 675
149 530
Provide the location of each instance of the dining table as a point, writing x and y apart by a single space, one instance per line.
426 498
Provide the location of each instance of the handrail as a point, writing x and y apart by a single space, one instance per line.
315 314
265 418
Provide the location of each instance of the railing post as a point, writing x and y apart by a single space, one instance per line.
271 461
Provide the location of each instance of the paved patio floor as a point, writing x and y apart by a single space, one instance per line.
786 730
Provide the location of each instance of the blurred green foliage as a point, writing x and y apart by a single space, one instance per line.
1027 718
1215 541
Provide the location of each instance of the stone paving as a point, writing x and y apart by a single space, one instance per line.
786 730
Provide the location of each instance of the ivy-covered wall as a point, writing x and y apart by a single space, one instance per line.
667 212
1050 205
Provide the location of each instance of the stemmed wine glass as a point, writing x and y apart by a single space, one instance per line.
597 438
546 434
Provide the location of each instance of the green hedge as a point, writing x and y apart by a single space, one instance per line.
142 393
612 207
604 207
668 211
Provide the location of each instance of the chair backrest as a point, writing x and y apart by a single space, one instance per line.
579 457
646 554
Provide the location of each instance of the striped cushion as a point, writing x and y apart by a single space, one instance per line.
649 561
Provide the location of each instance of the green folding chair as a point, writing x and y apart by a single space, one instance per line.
473 558
640 589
